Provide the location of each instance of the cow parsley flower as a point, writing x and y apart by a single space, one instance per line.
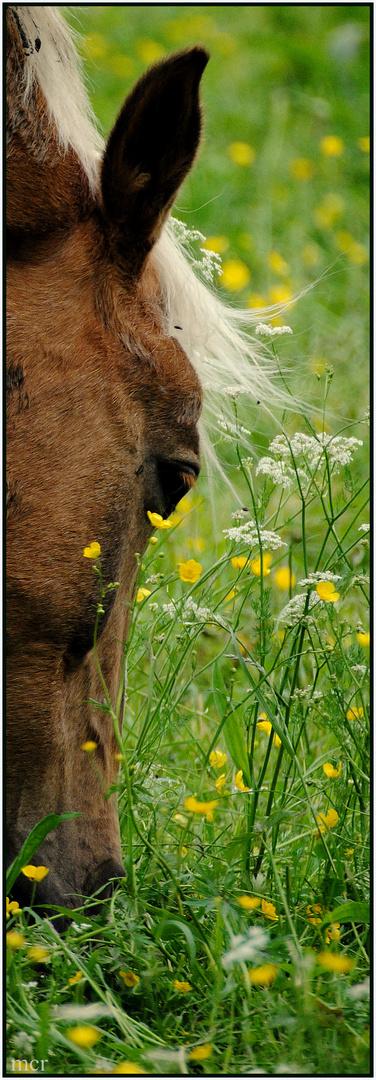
294 610
278 471
248 535
315 448
272 331
245 947
321 575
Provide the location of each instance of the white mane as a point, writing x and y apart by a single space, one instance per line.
214 335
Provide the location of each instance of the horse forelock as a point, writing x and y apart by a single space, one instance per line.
51 62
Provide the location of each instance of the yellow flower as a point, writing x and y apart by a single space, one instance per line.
96 46
364 144
278 264
142 595
330 771
284 579
12 907
333 933
129 1068
83 1035
279 294
331 208
93 551
205 808
255 300
265 725
235 274
314 912
35 873
201 1053
158 522
261 569
358 254
249 903
332 962
38 954
301 169
310 255
122 66
149 51
14 939
354 713
182 987
239 782
239 561
219 244
241 153
75 978
263 975
180 819
217 758
327 591
229 596
327 821
364 639
89 746
332 146
129 978
190 571
220 783
348 852
269 910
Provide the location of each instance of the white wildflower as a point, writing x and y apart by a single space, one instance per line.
233 391
272 331
245 947
239 514
171 609
278 471
211 264
360 990
364 528
153 579
232 429
153 607
189 613
296 607
362 668
323 575
22 1040
194 613
315 449
247 534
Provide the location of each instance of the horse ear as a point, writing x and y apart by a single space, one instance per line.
149 153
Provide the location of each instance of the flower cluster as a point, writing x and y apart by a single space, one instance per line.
272 331
315 448
249 535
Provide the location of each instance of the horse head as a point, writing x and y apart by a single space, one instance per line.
102 414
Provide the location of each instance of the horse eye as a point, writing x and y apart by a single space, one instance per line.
176 478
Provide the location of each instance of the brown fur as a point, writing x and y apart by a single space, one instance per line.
102 408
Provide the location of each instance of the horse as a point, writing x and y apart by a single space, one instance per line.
111 339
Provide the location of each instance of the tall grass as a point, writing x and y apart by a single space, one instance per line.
239 940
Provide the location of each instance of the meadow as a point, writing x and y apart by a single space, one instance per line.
238 943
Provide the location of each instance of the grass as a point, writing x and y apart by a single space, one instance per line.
240 938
